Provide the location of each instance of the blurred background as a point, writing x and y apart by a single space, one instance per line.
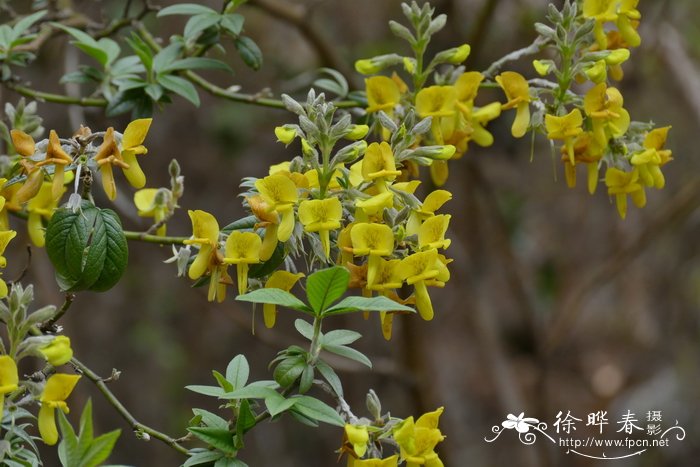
555 303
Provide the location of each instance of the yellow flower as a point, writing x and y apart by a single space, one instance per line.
40 208
379 165
280 194
431 233
382 94
5 237
588 151
432 203
23 143
242 249
417 440
650 160
416 269
373 206
9 379
281 279
621 184
322 216
148 205
627 21
132 145
205 230
108 154
566 127
518 94
58 351
58 388
358 437
388 279
60 159
601 11
604 106
392 461
25 147
269 220
374 240
437 102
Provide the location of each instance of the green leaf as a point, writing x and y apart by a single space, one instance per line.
326 286
288 370
203 457
275 297
216 437
277 404
210 419
230 462
232 23
142 50
199 23
213 391
330 375
68 452
194 63
237 371
87 248
223 382
379 303
306 329
100 449
317 410
180 86
249 52
245 420
340 337
86 433
245 223
256 390
306 380
154 91
348 352
27 22
185 9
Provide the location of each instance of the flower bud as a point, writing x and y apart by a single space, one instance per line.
58 351
357 132
542 67
285 134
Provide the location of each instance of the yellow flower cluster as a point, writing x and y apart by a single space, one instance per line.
347 220
455 119
45 168
416 440
598 131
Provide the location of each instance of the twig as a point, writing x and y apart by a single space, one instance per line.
537 45
55 98
142 431
50 325
146 237
218 91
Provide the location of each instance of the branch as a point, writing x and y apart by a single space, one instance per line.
531 49
217 91
143 431
50 325
146 237
55 98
